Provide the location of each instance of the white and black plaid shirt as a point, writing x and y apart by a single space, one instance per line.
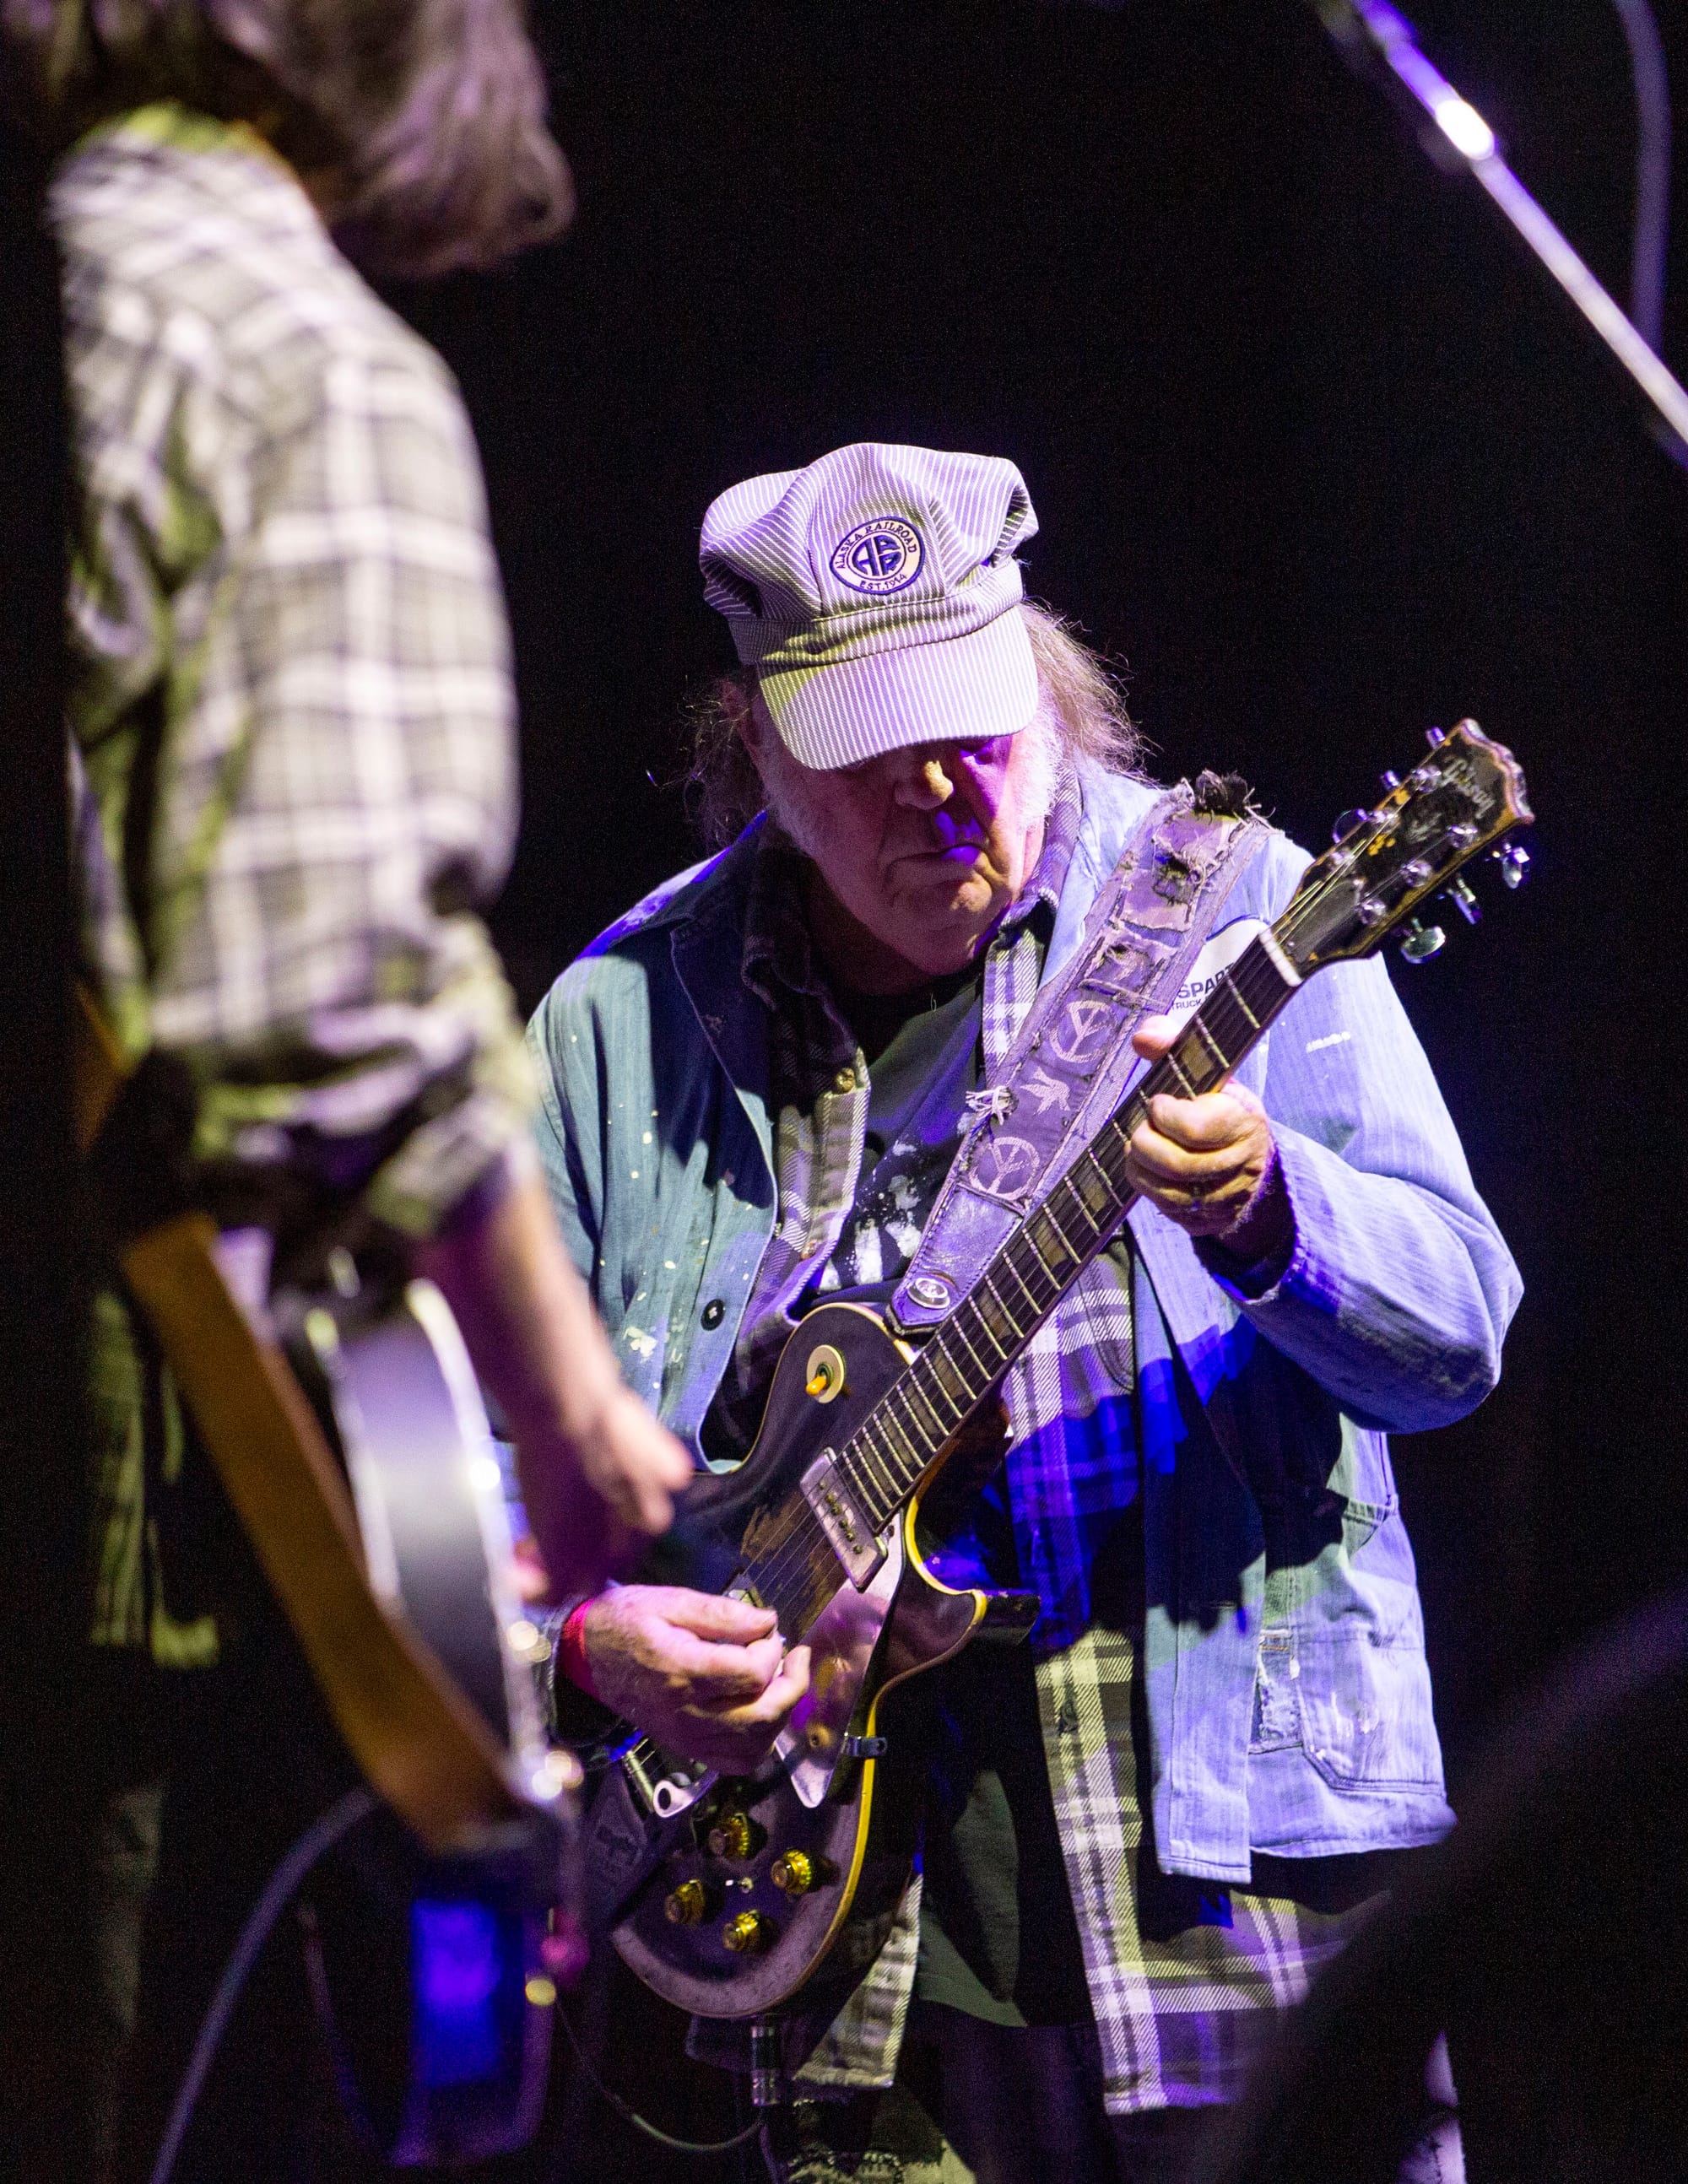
291 721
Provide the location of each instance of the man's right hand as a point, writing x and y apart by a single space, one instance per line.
707 1678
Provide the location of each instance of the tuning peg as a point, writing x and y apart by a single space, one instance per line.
1347 822
1513 859
1420 942
1389 778
1458 893
1434 735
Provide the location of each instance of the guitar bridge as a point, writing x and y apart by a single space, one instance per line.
854 1541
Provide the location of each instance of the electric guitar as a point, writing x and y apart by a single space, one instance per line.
348 1434
730 1897
431 1967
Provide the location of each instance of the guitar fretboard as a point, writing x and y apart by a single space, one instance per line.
884 1460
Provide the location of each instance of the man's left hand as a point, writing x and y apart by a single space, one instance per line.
1210 1164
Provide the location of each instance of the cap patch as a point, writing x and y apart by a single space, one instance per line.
879 556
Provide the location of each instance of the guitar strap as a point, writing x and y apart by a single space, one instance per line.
1067 1070
418 1741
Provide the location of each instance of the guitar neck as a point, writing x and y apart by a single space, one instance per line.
885 1459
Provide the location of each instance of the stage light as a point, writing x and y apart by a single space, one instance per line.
1463 126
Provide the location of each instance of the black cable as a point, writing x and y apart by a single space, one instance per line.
323 1833
628 2114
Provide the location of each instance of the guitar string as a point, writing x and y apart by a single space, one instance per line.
812 1557
803 1550
908 1451
799 1547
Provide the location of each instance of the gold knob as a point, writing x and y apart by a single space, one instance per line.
747 1933
792 1872
735 1836
686 1907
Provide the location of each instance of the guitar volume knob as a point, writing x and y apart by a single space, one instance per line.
735 1836
793 1873
747 1933
688 1905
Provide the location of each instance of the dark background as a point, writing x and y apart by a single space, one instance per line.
1317 452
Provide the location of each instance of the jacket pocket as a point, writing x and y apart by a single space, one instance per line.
1364 1700
1360 1520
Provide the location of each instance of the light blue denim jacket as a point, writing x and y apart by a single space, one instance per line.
1288 1699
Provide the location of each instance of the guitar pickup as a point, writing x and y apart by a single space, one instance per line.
853 1540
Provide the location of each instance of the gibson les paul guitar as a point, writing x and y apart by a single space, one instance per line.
729 1896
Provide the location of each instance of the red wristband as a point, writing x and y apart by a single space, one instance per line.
572 1649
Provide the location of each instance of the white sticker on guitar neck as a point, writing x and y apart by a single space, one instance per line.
1219 953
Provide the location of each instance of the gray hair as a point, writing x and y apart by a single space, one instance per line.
1082 703
430 112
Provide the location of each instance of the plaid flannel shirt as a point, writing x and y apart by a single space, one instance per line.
292 748
1182 1991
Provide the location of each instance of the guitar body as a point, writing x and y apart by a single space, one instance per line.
423 1967
828 1796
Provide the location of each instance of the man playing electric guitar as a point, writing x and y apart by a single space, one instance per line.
1147 1826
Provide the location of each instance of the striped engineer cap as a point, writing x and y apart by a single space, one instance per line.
875 593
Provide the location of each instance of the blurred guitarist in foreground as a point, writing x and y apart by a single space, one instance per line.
294 766
1147 1828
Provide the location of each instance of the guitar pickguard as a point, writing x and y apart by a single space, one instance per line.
841 1643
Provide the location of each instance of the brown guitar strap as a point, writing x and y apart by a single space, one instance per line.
418 1741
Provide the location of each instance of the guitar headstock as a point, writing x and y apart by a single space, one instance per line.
1387 861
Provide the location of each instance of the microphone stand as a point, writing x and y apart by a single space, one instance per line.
1381 44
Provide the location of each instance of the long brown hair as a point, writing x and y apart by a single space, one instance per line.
1081 699
430 113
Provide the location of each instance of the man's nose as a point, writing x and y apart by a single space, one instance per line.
928 785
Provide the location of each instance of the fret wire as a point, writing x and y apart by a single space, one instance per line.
1235 992
1117 1130
1075 1253
961 1336
913 1387
1006 1258
1256 974
990 1287
1087 1169
875 1463
895 1437
1170 1062
1045 1230
1219 1062
874 1429
876 1511
938 1352
1223 1027
935 1391
898 1393
1041 1272
855 1460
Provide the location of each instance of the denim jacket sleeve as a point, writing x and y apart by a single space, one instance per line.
1399 1288
565 1128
